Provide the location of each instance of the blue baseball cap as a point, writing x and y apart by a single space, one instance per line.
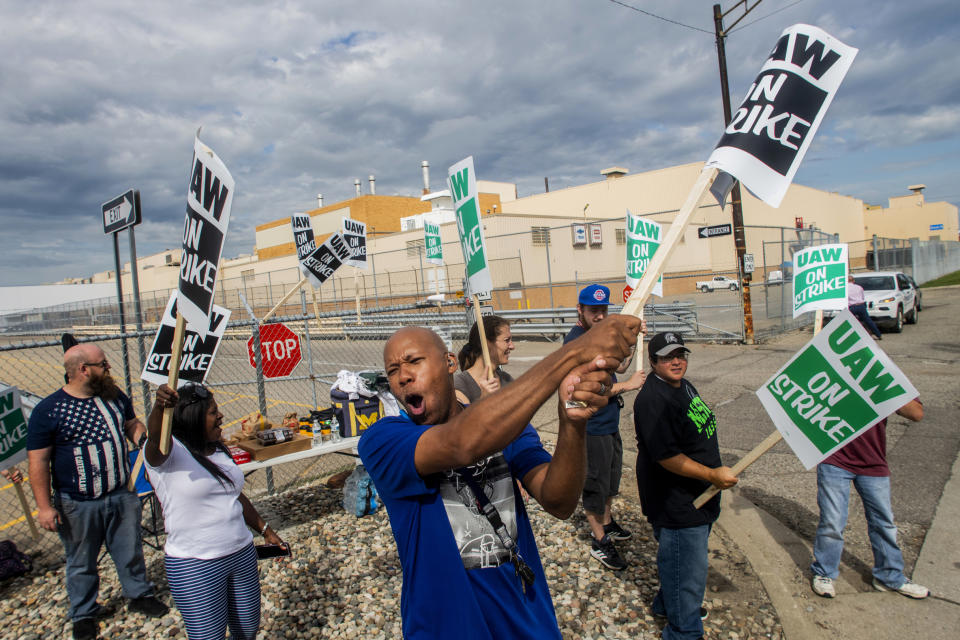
595 294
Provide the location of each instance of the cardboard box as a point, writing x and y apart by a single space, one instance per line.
260 452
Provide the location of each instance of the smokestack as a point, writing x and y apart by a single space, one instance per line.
356 183
373 185
319 201
546 184
426 176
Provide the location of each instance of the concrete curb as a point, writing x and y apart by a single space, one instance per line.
780 557
938 565
773 551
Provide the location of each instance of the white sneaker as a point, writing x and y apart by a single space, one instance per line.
823 586
909 589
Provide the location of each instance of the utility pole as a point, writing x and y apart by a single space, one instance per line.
739 237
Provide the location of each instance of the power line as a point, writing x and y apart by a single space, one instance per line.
653 15
766 16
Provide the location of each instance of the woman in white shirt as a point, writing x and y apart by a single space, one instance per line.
210 559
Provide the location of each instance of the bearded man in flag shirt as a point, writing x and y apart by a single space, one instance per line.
76 438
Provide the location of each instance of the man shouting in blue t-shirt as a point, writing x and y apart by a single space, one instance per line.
447 473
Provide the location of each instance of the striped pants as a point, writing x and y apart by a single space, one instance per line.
212 594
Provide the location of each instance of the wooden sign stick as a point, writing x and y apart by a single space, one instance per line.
176 351
639 297
316 309
27 513
356 292
761 448
135 471
483 336
639 363
744 462
285 297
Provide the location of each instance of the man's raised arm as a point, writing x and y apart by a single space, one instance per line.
493 422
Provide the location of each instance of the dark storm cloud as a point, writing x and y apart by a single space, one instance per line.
299 98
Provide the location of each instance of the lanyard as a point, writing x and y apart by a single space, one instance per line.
522 569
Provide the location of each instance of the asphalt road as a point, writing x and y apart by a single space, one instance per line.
920 454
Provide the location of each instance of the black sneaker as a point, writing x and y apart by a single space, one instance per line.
616 532
605 551
148 606
85 629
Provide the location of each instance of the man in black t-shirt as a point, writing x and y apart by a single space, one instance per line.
677 459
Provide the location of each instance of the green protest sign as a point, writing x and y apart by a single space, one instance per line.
836 387
643 239
820 278
13 429
463 190
431 240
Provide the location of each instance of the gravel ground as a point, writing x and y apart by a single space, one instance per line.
344 582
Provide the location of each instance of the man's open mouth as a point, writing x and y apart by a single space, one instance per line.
414 404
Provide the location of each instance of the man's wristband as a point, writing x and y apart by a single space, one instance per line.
266 525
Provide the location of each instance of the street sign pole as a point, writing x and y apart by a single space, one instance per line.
135 282
123 329
118 214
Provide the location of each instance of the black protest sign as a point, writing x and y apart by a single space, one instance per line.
303 236
327 258
355 233
209 200
770 132
198 351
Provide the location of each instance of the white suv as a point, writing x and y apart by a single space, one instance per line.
890 297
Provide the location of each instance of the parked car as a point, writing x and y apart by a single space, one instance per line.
718 282
891 298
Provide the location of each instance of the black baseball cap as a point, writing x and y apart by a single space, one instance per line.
666 343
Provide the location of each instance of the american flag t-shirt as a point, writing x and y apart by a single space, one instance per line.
87 435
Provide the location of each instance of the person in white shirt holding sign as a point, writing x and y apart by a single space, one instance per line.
210 558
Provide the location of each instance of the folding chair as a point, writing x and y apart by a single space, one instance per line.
147 499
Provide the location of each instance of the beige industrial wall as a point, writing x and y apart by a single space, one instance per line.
911 216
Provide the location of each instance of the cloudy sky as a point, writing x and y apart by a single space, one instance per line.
300 98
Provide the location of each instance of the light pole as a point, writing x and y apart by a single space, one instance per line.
739 238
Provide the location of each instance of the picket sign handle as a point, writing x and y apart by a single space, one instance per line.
316 309
356 291
176 351
817 321
285 297
639 296
639 363
135 471
744 462
483 336
27 513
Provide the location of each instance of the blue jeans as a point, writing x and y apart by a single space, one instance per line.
860 312
682 565
833 498
86 525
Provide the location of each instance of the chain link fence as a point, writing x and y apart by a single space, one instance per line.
328 344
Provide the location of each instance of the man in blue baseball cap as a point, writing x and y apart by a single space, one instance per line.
604 445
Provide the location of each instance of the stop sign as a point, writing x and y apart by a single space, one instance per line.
279 350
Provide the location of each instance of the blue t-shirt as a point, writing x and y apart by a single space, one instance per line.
458 581
89 446
606 420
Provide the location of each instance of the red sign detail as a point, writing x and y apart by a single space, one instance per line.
279 350
627 290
